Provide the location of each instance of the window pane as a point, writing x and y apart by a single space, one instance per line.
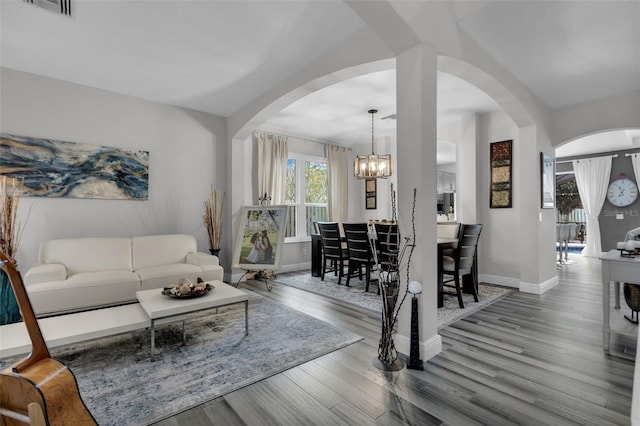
315 178
290 191
316 214
291 223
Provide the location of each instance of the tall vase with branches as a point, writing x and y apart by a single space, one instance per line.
213 209
389 281
10 232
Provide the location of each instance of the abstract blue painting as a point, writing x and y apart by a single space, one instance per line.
51 168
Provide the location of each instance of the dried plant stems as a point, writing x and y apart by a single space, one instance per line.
213 208
10 226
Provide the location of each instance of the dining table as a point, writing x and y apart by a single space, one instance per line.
443 244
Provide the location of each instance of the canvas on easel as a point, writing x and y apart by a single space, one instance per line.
260 238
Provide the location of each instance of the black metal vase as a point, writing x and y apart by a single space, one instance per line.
215 252
387 358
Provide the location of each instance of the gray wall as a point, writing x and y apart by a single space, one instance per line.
186 155
612 229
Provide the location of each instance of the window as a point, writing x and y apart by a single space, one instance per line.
568 203
306 193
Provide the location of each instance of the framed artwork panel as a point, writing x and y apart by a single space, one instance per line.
547 181
370 194
501 163
260 238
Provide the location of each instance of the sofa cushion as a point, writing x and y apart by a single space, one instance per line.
45 272
166 275
89 254
155 250
84 290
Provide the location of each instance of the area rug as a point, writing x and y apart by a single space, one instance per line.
122 386
355 294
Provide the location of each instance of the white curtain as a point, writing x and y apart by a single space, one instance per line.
273 152
635 160
592 178
338 185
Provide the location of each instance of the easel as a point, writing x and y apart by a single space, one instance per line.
265 274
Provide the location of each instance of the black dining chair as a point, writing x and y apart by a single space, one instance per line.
462 261
359 251
388 245
332 250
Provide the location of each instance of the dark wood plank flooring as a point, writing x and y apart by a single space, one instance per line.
525 360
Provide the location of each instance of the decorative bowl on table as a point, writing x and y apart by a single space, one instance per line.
186 289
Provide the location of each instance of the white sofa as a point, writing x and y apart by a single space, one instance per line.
82 273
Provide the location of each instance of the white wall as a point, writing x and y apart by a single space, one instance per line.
498 250
186 155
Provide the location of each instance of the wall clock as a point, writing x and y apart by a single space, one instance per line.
622 192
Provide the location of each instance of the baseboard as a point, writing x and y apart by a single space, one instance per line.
520 285
428 349
539 288
498 280
295 267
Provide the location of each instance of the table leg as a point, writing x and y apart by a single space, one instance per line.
617 300
246 317
184 334
440 283
153 339
606 299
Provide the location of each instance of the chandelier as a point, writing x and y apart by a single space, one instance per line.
372 166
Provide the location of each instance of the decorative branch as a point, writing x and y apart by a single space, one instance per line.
213 209
10 227
389 284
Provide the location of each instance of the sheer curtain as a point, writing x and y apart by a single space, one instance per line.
635 160
338 185
273 152
592 178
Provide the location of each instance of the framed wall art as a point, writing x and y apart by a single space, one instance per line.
261 238
548 180
501 174
52 168
370 194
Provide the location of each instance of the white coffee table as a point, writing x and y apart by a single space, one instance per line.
163 309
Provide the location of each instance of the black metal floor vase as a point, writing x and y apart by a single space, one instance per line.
389 282
415 363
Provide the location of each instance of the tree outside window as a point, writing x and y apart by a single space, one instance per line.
568 199
306 193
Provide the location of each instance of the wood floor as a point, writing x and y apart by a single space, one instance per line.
527 359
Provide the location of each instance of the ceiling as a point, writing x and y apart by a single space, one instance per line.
219 56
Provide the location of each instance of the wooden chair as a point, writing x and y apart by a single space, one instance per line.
462 262
332 249
388 244
359 251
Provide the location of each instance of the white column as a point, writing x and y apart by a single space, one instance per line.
417 145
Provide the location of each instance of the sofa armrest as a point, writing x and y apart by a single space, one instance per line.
45 272
202 259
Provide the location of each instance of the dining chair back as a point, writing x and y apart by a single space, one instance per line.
388 245
332 249
463 260
359 251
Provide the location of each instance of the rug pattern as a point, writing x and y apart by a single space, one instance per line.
122 386
356 295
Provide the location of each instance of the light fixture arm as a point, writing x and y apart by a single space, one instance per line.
372 112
